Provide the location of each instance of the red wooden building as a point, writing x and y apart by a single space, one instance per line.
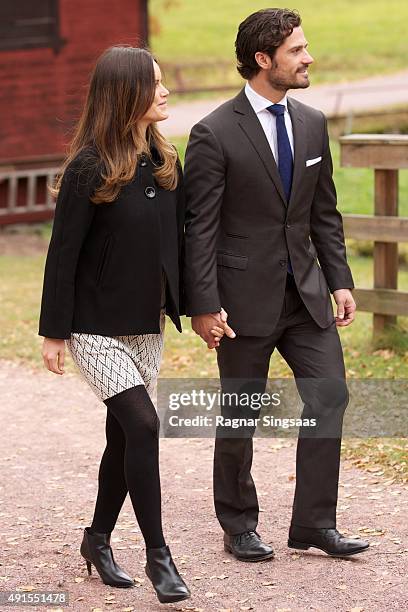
47 49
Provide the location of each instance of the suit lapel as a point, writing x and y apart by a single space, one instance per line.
249 123
300 145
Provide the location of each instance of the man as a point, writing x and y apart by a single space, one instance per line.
261 204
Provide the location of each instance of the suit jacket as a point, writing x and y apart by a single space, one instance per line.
103 271
240 229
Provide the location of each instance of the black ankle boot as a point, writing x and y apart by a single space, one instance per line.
96 550
166 580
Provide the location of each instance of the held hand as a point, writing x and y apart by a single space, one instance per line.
53 353
346 307
228 330
211 327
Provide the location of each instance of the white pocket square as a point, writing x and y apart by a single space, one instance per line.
312 162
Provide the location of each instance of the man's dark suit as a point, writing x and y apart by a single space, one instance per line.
240 231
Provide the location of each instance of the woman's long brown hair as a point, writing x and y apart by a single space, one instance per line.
121 90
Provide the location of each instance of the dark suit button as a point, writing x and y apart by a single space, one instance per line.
288 226
143 163
150 192
283 263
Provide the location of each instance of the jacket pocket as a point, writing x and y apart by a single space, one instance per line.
230 235
240 262
103 259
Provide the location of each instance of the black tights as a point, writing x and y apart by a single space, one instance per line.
130 462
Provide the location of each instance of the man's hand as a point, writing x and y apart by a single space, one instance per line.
346 307
53 353
211 327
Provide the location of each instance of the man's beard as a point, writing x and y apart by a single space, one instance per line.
284 83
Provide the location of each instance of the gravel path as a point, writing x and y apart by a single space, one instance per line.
53 437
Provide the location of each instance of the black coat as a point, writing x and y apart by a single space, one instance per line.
104 265
240 229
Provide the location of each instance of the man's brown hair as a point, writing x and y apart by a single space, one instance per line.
263 31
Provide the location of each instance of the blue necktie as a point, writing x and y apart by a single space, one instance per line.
285 159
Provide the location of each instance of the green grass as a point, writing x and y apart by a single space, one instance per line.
347 39
20 295
355 187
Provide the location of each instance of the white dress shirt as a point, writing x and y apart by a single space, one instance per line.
268 120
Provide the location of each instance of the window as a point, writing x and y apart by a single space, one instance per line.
29 23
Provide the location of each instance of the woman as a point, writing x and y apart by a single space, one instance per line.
112 271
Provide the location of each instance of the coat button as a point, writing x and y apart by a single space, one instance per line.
283 263
143 163
150 192
288 226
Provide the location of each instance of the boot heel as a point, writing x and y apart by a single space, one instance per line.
96 551
298 545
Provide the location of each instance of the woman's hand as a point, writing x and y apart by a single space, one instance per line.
53 353
218 333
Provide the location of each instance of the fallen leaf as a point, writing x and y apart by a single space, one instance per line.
221 577
25 588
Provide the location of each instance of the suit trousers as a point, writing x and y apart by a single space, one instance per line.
315 356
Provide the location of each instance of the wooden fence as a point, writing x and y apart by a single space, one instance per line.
24 197
386 154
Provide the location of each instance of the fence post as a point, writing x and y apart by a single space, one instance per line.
385 253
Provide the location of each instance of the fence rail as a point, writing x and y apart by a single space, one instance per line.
378 228
384 301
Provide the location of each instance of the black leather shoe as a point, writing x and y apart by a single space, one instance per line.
96 550
247 546
166 580
329 541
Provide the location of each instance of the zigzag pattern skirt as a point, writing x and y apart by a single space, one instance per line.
111 364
